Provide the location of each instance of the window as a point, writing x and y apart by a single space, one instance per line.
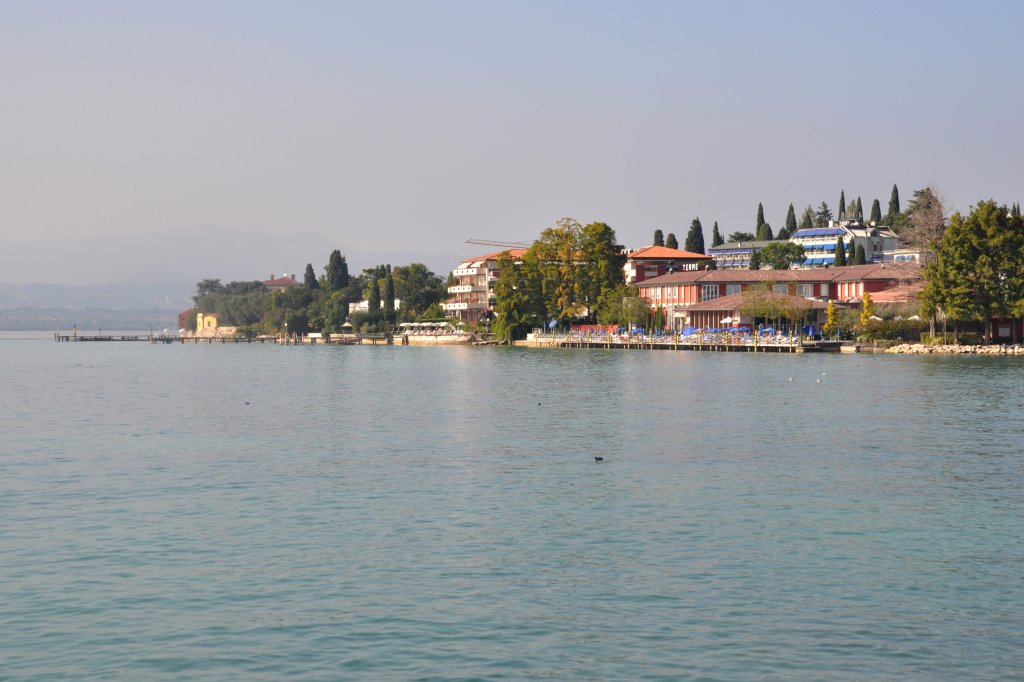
731 289
805 290
709 292
780 288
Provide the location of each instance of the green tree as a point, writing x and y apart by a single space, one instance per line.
790 220
851 252
807 219
557 250
894 201
601 264
671 241
859 212
764 232
842 204
876 213
336 272
979 272
389 299
695 237
373 297
610 309
861 258
716 236
823 216
760 218
755 260
781 255
417 288
659 239
840 253
742 237
309 279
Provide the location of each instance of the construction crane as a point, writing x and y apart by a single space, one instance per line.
510 245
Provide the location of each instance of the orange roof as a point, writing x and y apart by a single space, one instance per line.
515 253
286 281
664 253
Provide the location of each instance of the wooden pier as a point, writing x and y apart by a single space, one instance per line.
102 337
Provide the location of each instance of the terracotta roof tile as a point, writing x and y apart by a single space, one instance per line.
663 253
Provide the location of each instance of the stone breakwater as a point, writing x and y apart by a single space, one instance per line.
951 349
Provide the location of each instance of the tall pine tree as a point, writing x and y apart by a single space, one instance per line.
309 280
659 238
861 258
695 237
791 220
337 272
716 236
876 212
894 201
842 204
858 214
840 253
671 241
760 217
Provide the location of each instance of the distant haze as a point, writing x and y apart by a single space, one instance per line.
187 256
402 126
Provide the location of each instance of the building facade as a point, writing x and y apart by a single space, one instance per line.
471 297
677 292
654 261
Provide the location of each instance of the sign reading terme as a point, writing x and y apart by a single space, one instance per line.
689 266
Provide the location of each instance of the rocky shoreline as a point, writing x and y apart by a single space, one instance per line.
951 349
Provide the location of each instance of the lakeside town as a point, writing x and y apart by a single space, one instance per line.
917 277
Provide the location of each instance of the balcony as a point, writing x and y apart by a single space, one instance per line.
466 288
463 305
469 272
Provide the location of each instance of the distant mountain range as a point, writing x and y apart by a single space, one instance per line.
45 283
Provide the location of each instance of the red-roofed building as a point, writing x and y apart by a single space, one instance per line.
472 297
281 283
654 261
679 291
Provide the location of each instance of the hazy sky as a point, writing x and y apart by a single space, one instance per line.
418 125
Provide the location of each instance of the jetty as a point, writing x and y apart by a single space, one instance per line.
101 337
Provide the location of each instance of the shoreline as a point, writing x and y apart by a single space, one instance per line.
952 349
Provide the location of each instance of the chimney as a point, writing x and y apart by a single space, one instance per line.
271 275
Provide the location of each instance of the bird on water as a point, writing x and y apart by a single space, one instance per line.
598 459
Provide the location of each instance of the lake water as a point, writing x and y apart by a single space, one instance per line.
326 513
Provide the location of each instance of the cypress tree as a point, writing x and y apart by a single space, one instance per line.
876 212
783 235
840 253
859 213
764 232
790 220
309 279
389 298
807 219
842 204
659 238
894 201
337 272
671 241
861 256
760 217
373 299
851 253
695 237
755 260
716 236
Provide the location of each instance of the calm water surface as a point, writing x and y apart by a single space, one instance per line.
261 513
